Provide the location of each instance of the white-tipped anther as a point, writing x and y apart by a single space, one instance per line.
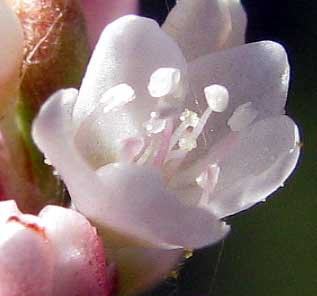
155 125
217 97
187 143
164 81
117 96
190 118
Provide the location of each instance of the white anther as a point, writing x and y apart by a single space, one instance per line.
187 143
217 97
242 117
117 96
154 115
164 81
155 125
190 118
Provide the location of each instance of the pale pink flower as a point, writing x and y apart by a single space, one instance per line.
55 253
170 132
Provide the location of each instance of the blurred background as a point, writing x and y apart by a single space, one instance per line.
272 248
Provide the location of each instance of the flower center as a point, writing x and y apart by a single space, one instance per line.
164 144
170 134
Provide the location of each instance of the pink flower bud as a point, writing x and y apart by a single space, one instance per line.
55 54
57 253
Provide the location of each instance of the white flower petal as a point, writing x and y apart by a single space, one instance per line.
52 131
79 255
253 163
129 50
142 208
261 159
256 72
26 261
242 117
99 138
204 26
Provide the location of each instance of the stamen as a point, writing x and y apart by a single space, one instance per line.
159 132
159 129
155 125
202 122
187 142
117 97
242 117
164 81
189 119
164 145
147 154
217 98
131 148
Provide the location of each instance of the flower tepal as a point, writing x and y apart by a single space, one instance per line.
129 163
158 150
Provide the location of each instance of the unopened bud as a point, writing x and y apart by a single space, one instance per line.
11 54
54 51
55 47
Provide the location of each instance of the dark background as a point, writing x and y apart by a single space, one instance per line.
272 249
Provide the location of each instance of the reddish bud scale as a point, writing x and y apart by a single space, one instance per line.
41 22
55 44
55 56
